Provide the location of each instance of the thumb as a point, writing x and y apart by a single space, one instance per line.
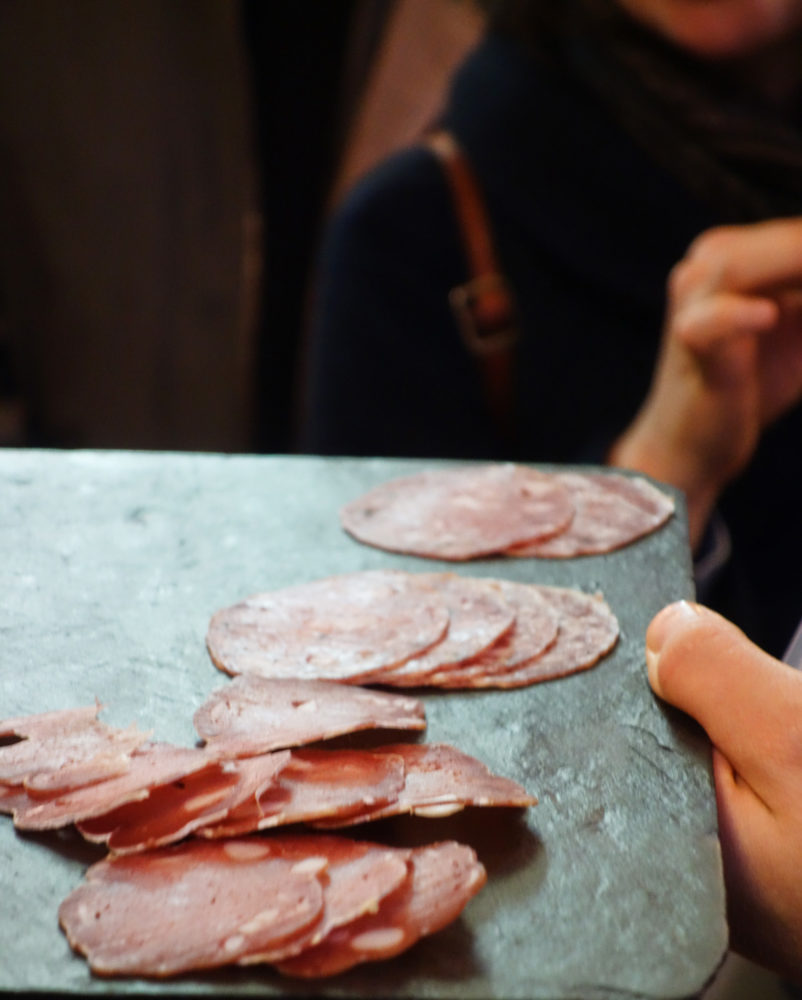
749 703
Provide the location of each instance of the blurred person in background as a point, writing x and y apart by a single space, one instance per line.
616 144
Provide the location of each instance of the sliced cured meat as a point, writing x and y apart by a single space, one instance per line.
588 631
317 784
191 906
534 631
440 780
44 724
64 749
174 810
612 510
345 626
480 615
460 512
252 715
12 797
444 878
150 765
358 876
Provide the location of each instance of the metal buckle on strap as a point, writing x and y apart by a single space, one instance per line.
485 314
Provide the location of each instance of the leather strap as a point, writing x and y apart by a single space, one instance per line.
484 306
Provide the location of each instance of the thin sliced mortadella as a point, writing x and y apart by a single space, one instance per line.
612 510
480 615
460 513
252 715
337 628
535 630
588 631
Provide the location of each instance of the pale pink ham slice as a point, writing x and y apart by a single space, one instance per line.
534 631
588 631
445 877
440 780
612 510
480 615
252 715
174 810
64 749
358 876
314 785
150 765
195 905
461 512
340 627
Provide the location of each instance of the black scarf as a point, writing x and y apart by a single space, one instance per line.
733 150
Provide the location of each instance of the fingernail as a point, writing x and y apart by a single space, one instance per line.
657 632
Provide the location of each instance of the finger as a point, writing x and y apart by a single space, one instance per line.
749 703
706 322
765 255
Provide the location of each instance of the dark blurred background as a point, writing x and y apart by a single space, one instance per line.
166 167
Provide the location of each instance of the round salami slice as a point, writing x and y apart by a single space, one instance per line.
358 876
193 906
612 510
444 878
534 631
460 513
338 628
588 630
252 715
480 615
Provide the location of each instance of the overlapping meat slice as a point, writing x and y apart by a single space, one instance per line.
63 749
588 630
461 512
317 784
534 631
252 715
358 876
175 809
150 765
440 780
612 510
480 614
444 878
345 626
192 906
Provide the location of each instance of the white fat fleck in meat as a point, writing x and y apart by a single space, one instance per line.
438 811
239 850
234 943
258 922
312 866
378 940
200 802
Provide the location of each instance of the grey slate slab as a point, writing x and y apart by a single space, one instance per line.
112 564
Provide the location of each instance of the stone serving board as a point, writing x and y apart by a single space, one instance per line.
113 563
